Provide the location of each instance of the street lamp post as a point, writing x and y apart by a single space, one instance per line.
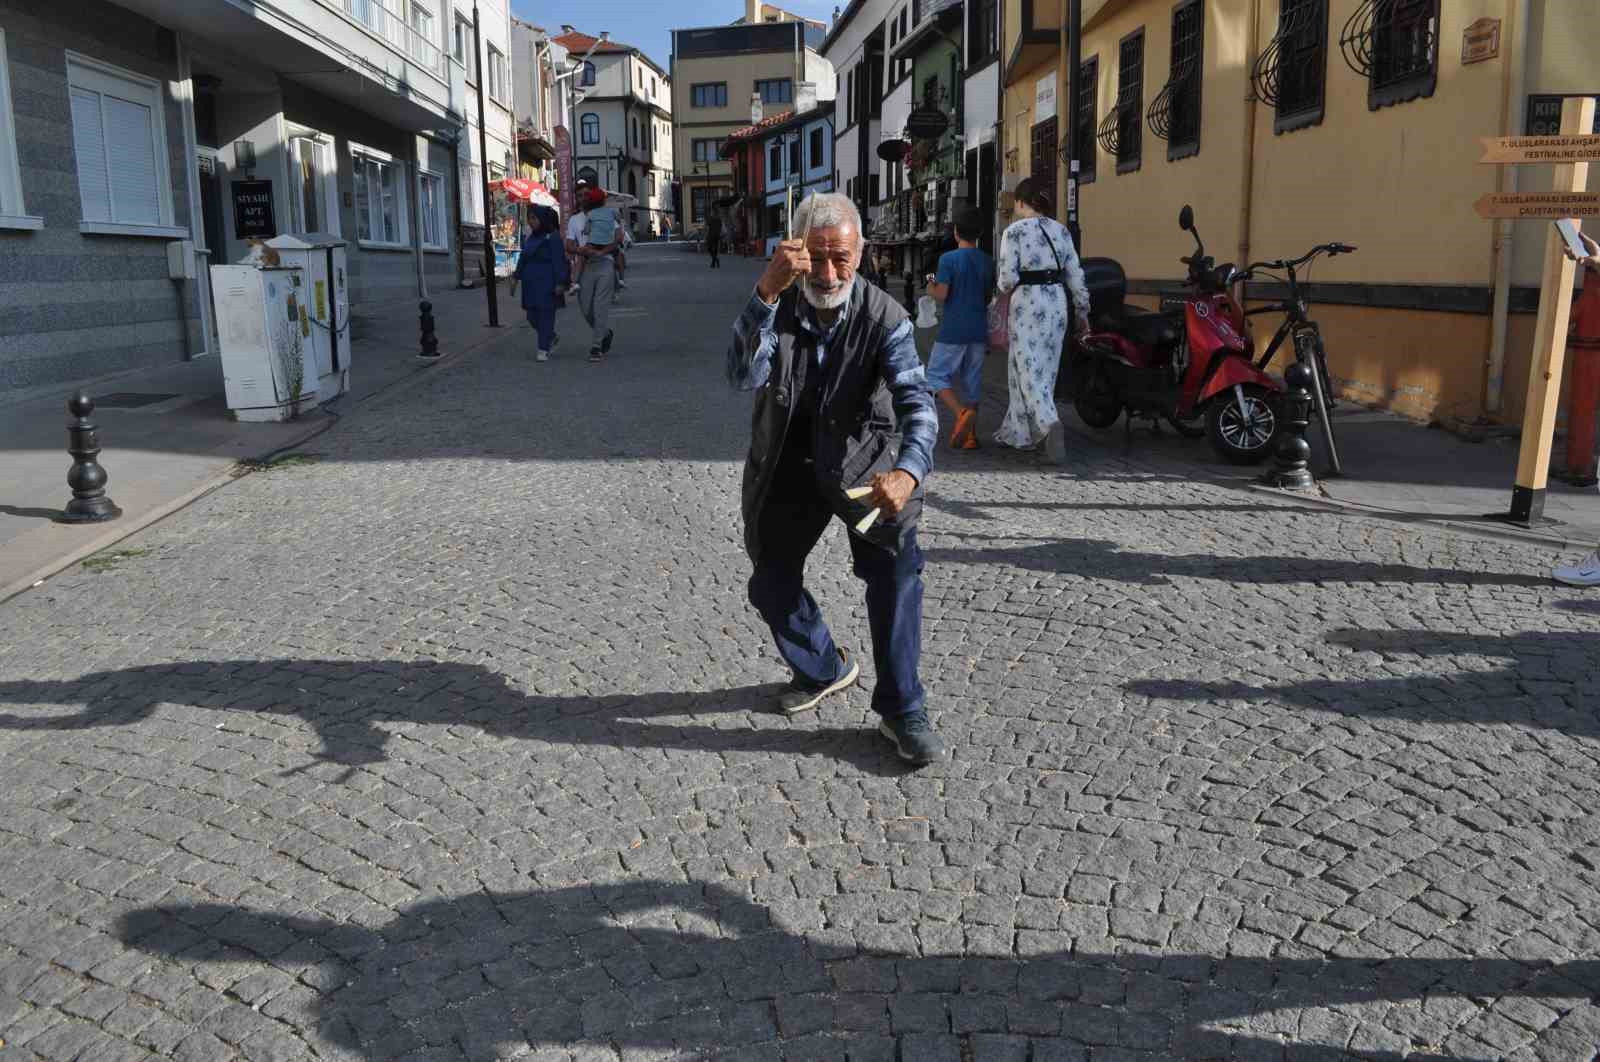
483 162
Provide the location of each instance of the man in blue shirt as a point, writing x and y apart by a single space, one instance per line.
955 367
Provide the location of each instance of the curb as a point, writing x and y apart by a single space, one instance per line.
116 531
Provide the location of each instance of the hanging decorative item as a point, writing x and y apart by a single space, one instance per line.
927 123
893 149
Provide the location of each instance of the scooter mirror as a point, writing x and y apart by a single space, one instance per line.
1186 218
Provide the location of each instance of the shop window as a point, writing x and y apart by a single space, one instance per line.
1292 72
1175 112
1394 44
1088 100
589 129
120 145
380 197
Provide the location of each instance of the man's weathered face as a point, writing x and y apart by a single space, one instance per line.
835 255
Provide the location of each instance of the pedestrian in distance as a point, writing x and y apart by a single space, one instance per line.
1587 571
1039 266
844 427
962 283
543 274
714 236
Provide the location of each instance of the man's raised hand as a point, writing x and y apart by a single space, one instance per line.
790 260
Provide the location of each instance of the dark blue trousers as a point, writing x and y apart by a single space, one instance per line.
792 521
543 319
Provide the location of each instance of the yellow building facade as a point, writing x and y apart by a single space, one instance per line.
1291 123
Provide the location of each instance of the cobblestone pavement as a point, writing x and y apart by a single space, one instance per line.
453 744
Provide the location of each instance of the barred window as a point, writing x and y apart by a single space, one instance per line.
1292 72
1043 167
1175 113
1127 125
1394 44
1088 98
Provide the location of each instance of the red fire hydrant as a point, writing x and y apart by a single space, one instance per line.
1583 395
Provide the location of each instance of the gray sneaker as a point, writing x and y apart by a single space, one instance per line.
913 738
799 696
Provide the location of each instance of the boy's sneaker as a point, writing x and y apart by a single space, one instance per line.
913 738
1585 573
543 355
799 695
605 344
595 354
621 286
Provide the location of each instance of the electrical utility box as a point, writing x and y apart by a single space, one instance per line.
327 301
268 366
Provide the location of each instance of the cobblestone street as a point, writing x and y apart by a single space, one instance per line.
455 742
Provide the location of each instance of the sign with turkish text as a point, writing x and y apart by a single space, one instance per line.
252 210
1480 41
1539 205
1544 116
564 169
1044 98
1546 149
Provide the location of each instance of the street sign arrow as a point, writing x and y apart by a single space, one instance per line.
1546 205
1503 150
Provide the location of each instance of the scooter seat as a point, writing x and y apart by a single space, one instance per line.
1147 328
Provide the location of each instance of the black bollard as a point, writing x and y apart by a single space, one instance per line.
1293 471
87 479
430 342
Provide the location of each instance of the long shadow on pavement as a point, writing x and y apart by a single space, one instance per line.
1101 559
665 965
345 700
1525 691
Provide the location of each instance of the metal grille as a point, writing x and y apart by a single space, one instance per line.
1175 112
1121 133
1088 95
1395 45
1292 70
1043 163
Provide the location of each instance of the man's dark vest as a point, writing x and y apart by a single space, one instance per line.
854 432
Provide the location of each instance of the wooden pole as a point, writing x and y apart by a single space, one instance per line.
1549 339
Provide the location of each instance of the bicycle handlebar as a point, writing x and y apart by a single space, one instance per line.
1329 249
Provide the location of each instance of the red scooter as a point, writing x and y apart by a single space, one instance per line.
1191 367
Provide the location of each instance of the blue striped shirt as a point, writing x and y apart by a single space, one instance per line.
755 342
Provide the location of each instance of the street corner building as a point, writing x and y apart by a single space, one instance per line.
143 140
1289 123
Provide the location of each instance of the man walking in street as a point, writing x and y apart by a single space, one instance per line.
714 235
835 363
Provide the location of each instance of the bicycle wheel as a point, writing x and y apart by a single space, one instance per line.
1309 352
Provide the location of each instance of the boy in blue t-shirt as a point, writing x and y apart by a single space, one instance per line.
955 366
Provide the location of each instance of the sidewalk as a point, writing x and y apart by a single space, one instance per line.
174 440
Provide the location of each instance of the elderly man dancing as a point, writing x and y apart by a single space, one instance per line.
844 426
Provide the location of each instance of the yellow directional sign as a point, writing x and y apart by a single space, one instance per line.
1546 205
1504 150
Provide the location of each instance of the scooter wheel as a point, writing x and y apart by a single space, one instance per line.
1244 436
1096 403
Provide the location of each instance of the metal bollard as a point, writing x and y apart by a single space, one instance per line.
87 479
430 342
1293 471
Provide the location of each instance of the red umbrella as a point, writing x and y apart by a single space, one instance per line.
526 191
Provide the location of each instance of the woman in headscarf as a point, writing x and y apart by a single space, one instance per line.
544 274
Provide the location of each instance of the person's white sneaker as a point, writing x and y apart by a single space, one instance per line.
543 355
1585 573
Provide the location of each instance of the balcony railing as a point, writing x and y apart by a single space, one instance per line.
389 24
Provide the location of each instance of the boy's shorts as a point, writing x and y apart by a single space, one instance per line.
958 366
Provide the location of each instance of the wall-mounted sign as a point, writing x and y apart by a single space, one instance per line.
1480 41
1044 98
1544 116
252 210
927 123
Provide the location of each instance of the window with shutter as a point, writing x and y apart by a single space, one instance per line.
119 145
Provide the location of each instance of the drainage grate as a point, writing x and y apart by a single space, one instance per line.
129 400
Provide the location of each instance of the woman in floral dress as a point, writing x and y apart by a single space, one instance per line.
1039 266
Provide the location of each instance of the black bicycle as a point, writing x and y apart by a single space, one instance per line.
1298 325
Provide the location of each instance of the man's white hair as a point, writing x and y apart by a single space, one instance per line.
826 210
